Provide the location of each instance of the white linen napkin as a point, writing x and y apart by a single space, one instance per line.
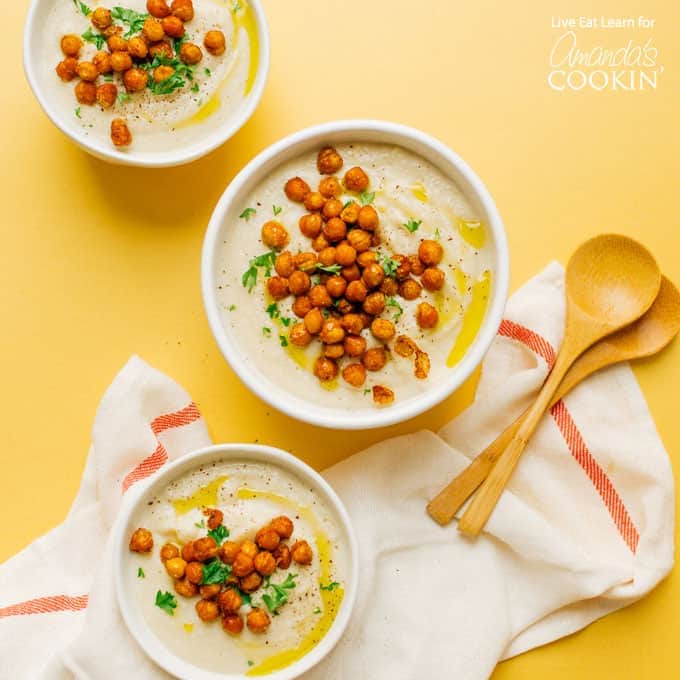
584 528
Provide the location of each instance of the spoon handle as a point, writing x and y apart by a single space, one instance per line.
481 507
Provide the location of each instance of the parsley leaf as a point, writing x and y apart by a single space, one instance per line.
236 7
140 573
366 197
330 587
84 9
247 214
122 97
96 39
266 331
317 610
284 340
219 534
329 268
134 20
273 311
77 112
437 235
279 593
200 525
245 597
347 203
412 225
208 72
231 308
367 390
215 572
266 261
276 209
195 87
166 601
393 302
389 265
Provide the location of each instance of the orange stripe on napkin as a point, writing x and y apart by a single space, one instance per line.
46 605
185 416
532 340
147 467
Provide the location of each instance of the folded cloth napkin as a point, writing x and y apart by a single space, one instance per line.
584 528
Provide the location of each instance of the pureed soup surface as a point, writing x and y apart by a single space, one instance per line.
408 190
159 121
250 495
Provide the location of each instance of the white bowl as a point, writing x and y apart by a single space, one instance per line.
225 217
102 148
128 521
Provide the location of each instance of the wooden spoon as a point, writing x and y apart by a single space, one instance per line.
643 338
610 282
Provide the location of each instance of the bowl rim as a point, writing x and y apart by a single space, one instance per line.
350 419
171 158
142 633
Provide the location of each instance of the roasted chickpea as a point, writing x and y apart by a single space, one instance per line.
215 43
299 335
382 395
417 267
327 256
368 218
421 365
329 187
265 563
157 8
242 565
122 61
278 287
373 275
314 201
283 526
284 264
101 18
116 43
355 345
332 331
249 548
232 624
405 346
433 278
188 552
310 225
71 44
153 30
344 306
274 235
215 517
320 242
354 374
367 258
229 550
375 303
299 282
426 315
313 321
296 189
302 306
325 369
176 567
183 9
334 351
356 291
102 60
319 296
141 541
258 620
87 71
328 161
106 95
163 72
173 26
336 286
168 552
404 269
161 48
112 30
135 79
383 329
351 273
205 548
356 179
366 319
390 287
210 591
186 588
331 208
374 359
350 213
302 552
352 323
282 556
229 601
359 239
138 48
251 583
190 53
207 610
194 573
306 262
66 69
410 289
430 252
345 254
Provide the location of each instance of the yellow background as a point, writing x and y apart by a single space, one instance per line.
98 262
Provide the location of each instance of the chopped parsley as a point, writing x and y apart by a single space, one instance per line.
195 87
347 204
175 82
266 261
393 302
96 39
286 321
412 225
82 7
208 72
237 6
389 265
215 571
219 533
367 390
317 610
200 525
247 214
231 308
437 235
278 593
122 97
133 20
366 197
330 587
77 112
166 601
250 662
245 597
284 340
266 331
273 311
276 209
140 573
329 268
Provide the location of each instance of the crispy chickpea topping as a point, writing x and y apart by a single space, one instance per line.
313 321
301 552
375 359
71 44
193 572
350 213
116 43
183 9
122 61
168 552
251 583
205 548
299 282
161 73
300 337
382 395
106 95
215 43
161 48
173 26
404 346
101 18
433 278
278 287
242 565
228 551
215 517
190 53
354 374
422 365
410 289
232 624
229 601
430 252
329 187
66 69
188 552
284 264
87 71
355 179
282 556
157 8
210 591
153 30
383 329
138 48
314 201
325 369
275 235
332 331
328 161
368 218
102 60
265 563
207 610
258 620
345 255
135 79
302 306
141 541
186 588
426 315
332 208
